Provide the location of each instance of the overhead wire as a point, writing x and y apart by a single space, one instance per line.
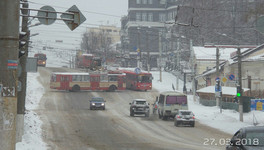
98 13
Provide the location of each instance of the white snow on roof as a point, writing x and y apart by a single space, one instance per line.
254 58
70 73
225 90
210 53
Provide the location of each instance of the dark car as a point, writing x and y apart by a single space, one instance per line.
184 117
248 138
97 103
139 106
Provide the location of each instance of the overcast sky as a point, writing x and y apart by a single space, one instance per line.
97 12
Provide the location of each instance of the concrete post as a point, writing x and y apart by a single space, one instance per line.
9 38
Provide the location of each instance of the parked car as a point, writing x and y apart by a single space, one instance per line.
247 138
139 106
97 103
184 117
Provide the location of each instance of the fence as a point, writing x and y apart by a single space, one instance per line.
229 105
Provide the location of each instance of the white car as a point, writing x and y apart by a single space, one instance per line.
139 106
184 117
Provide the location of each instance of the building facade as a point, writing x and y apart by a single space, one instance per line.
113 31
144 31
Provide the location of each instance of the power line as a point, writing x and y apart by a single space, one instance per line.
91 12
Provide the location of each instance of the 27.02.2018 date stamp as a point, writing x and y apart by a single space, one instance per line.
227 141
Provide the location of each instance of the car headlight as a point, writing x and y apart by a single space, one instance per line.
93 104
102 104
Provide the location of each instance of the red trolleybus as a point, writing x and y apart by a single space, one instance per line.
41 59
138 81
85 81
84 60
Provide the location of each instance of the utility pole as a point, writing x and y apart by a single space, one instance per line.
178 61
171 41
22 78
240 106
148 59
138 50
193 73
184 83
160 51
9 39
217 73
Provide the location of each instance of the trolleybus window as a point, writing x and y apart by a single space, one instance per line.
86 78
112 78
145 79
53 78
104 78
80 78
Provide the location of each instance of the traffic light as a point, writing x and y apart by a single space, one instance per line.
238 91
22 43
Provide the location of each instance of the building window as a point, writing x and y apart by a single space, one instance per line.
138 17
162 17
138 1
144 1
144 17
150 1
150 17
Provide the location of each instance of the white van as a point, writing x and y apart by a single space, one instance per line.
169 103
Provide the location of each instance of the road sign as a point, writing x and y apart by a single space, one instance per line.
137 70
218 90
231 77
217 78
78 17
47 16
224 79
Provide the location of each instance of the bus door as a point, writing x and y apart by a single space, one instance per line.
94 80
120 81
65 82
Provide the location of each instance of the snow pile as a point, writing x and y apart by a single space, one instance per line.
32 138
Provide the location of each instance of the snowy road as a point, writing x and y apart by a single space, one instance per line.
69 124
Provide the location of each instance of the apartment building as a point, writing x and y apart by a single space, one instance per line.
145 28
112 31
